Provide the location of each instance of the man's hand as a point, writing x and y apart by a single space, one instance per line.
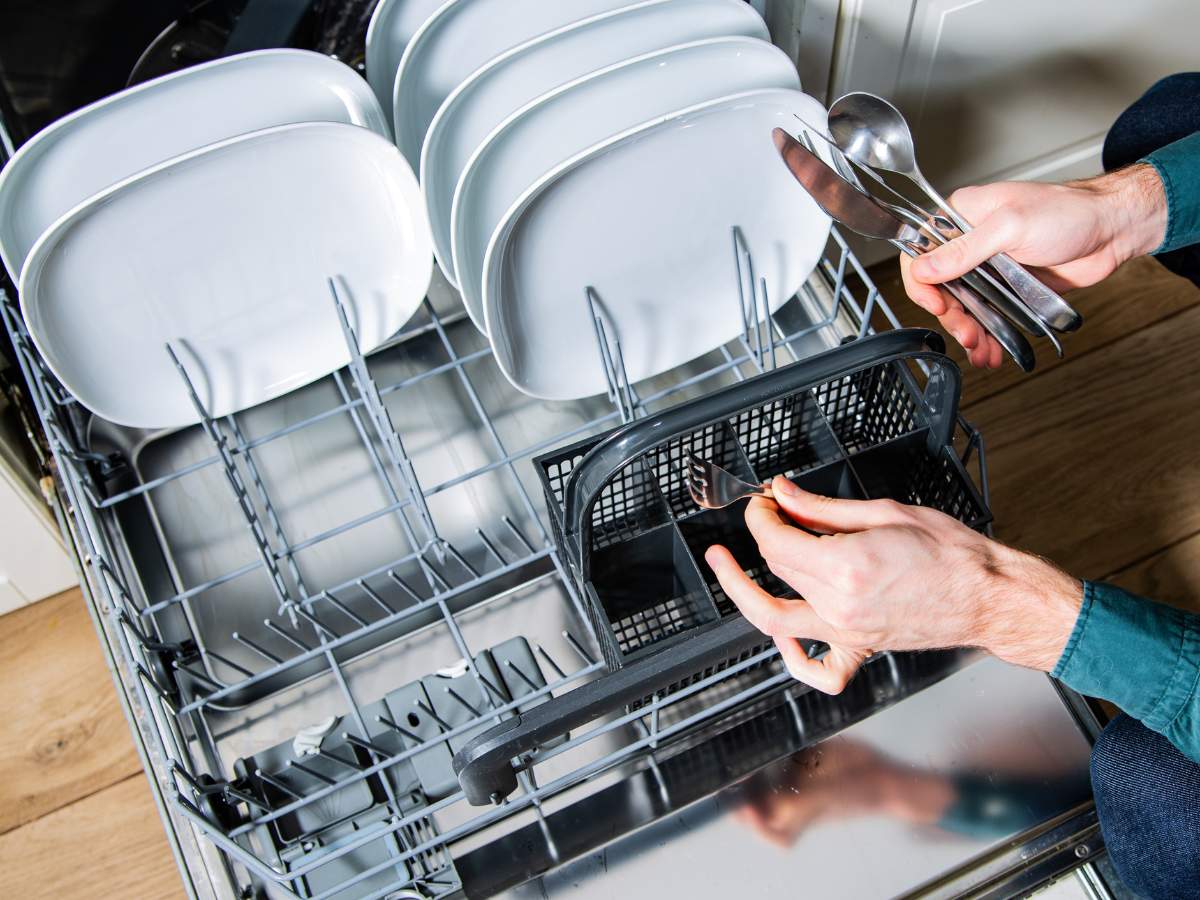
884 576
1070 235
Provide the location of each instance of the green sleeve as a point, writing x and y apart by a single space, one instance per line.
1178 166
1142 656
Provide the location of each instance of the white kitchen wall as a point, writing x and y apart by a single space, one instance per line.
994 89
1011 88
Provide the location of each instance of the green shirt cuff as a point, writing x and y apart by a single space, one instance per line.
1178 165
1142 656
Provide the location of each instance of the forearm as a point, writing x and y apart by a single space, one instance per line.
1026 608
1152 206
1132 208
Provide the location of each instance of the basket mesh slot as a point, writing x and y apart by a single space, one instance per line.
727 527
715 443
557 469
869 407
628 506
905 470
648 626
650 590
785 436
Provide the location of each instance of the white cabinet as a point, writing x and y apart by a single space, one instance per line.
994 89
33 562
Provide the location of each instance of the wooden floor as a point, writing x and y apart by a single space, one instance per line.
76 815
1094 461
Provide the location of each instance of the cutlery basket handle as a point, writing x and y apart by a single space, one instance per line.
485 765
613 454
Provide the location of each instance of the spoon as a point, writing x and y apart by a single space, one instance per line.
874 133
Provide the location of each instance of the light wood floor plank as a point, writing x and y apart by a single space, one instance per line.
65 735
109 844
1171 575
1138 295
1094 463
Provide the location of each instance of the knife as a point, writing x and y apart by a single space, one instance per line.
860 213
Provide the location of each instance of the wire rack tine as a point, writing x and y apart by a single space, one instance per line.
747 297
381 419
612 360
265 499
234 478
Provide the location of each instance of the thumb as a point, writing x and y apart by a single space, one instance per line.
962 254
831 515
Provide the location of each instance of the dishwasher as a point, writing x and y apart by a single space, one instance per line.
366 640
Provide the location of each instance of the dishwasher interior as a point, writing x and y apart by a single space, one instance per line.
316 602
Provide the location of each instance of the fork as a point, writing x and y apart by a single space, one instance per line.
712 487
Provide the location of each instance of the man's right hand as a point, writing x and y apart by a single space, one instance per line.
1070 235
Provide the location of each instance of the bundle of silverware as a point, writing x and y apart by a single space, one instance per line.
869 136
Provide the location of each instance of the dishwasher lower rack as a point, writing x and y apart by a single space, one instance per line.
367 563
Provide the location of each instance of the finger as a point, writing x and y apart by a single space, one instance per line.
830 674
927 296
996 356
775 533
981 347
959 256
961 326
983 350
829 514
966 330
979 356
768 614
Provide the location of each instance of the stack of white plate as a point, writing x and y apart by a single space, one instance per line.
210 210
604 148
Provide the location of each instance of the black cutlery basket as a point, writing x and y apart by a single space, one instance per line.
875 418
862 421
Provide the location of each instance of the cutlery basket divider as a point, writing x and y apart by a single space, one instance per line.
853 422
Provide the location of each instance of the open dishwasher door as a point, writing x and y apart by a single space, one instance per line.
975 785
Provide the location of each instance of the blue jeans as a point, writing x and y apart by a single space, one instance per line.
1170 110
1147 792
1148 798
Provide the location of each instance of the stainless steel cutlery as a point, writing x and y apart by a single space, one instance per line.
873 133
861 213
712 487
941 230
869 135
